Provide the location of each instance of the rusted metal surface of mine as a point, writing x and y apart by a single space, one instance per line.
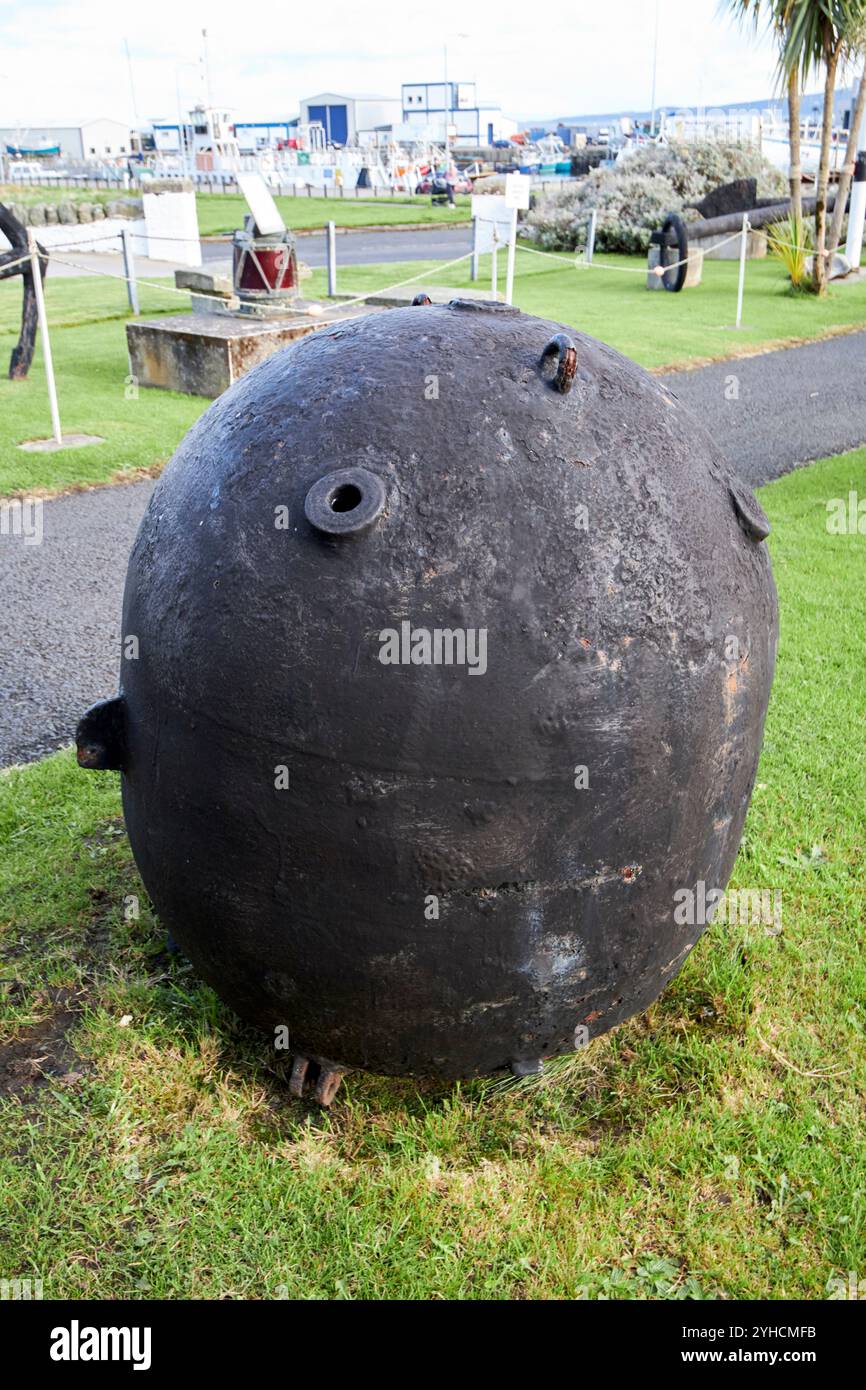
454 641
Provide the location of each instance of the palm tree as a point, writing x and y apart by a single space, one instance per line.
856 47
810 34
844 182
778 16
816 36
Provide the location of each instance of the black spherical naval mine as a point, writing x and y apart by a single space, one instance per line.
454 641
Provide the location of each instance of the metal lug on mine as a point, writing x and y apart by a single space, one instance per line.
322 1082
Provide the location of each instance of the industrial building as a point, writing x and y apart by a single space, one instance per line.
207 128
430 109
255 136
348 118
424 111
99 138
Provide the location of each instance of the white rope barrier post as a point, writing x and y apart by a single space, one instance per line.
332 259
509 269
494 278
744 235
473 265
36 271
129 270
590 236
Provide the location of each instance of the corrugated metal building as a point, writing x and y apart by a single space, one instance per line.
346 118
431 107
97 138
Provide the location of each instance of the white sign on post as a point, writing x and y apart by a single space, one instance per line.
517 188
496 225
493 216
490 207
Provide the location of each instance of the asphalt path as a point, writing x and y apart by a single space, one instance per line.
370 247
353 248
775 411
60 616
60 600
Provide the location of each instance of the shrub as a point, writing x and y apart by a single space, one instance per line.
695 169
630 207
489 183
634 198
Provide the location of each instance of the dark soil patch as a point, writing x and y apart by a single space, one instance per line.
43 1053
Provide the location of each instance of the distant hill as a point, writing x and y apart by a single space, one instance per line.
811 104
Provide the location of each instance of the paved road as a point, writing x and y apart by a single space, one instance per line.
60 616
60 601
787 407
353 248
371 247
82 263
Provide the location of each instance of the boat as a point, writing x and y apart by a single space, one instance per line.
776 146
546 158
39 151
308 161
766 130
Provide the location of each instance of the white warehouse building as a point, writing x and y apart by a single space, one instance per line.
98 138
428 108
346 118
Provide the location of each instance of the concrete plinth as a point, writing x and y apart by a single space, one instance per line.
210 292
213 292
756 246
67 441
203 354
694 268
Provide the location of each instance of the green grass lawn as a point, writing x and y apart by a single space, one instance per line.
710 1148
656 329
88 341
87 318
222 212
25 193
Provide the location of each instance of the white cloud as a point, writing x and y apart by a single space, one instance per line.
68 60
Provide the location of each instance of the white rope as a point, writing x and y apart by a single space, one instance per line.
187 240
116 236
318 313
10 265
578 264
660 270
399 284
806 250
111 275
82 241
311 312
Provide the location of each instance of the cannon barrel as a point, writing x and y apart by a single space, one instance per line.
760 216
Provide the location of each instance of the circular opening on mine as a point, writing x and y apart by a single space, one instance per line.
345 498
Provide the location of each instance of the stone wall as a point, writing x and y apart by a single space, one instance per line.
163 224
67 213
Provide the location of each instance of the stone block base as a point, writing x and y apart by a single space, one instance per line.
203 354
